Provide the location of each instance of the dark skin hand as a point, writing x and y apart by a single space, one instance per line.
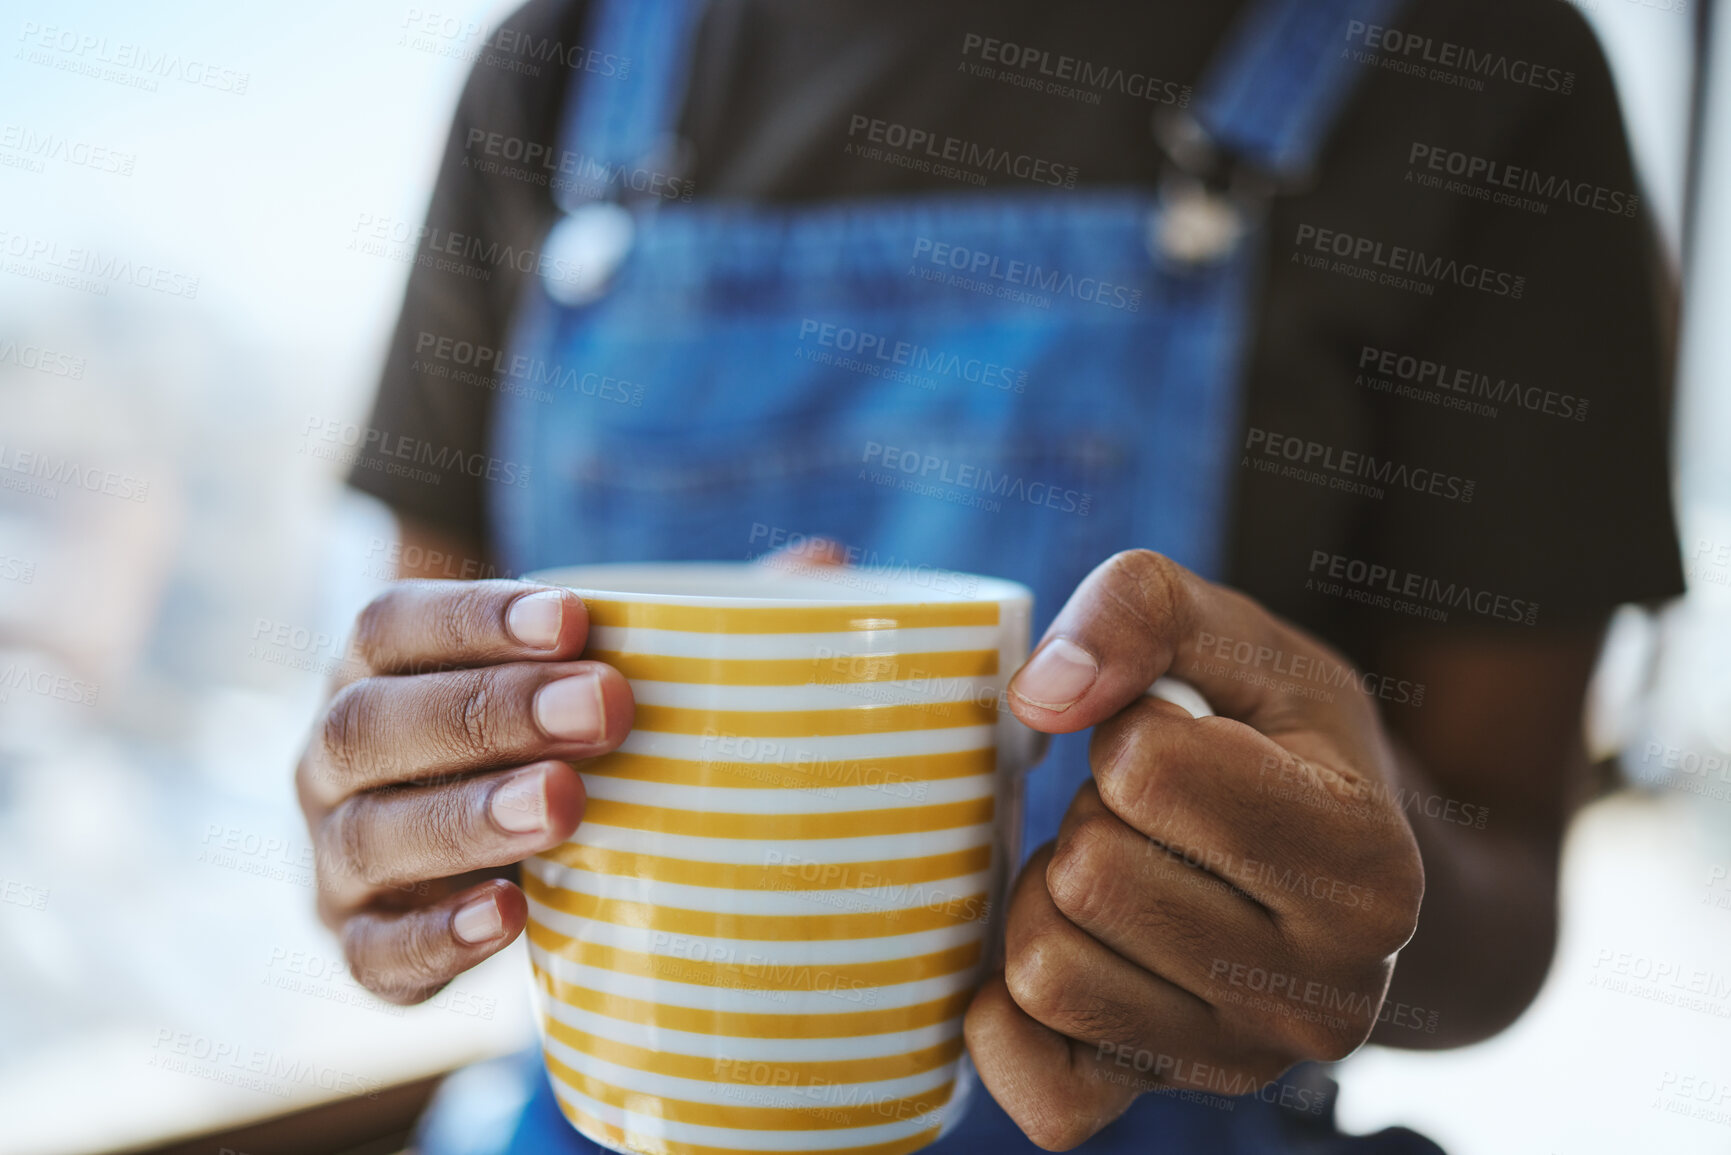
1160 941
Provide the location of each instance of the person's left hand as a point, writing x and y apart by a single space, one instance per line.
1226 896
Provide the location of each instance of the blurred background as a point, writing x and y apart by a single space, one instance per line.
190 280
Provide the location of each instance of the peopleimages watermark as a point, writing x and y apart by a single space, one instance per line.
1306 675
25 148
1669 981
46 684
1389 587
518 158
1445 61
508 49
15 893
42 360
1289 778
279 859
88 270
255 1068
42 475
979 271
1157 1073
385 559
333 980
471 363
1396 266
840 1104
122 62
1694 1096
295 647
1347 470
879 355
1298 997
1040 70
17 569
1709 562
1459 388
1690 771
399 454
1250 875
955 158
1509 185
924 473
1718 892
464 254
777 763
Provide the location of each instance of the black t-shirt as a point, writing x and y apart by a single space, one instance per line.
1522 392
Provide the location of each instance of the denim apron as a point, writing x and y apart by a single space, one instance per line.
1017 382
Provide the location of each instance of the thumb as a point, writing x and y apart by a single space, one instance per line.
1136 617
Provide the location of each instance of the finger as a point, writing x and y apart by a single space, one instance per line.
1140 615
1307 844
386 731
406 956
1157 908
394 837
812 551
1066 979
1052 1087
421 626
1123 1031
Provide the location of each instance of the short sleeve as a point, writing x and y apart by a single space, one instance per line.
431 419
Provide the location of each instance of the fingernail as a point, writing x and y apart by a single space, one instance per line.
519 806
571 708
478 922
535 619
1059 674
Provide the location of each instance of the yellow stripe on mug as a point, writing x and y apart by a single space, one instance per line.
823 669
821 1073
848 720
745 752
759 927
799 619
754 975
817 1117
754 1024
781 873
650 1144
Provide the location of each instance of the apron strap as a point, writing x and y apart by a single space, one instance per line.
1271 93
625 121
1267 98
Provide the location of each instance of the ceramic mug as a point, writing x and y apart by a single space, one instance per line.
785 888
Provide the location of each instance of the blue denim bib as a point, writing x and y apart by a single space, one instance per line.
1018 382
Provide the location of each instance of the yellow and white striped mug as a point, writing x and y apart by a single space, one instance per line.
766 931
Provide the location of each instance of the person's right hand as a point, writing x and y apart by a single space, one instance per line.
443 757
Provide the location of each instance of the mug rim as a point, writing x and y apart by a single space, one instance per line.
612 581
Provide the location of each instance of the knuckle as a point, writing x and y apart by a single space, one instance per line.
439 829
474 617
1078 875
1036 978
346 844
1389 923
400 962
343 735
1147 580
372 638
473 724
1134 783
